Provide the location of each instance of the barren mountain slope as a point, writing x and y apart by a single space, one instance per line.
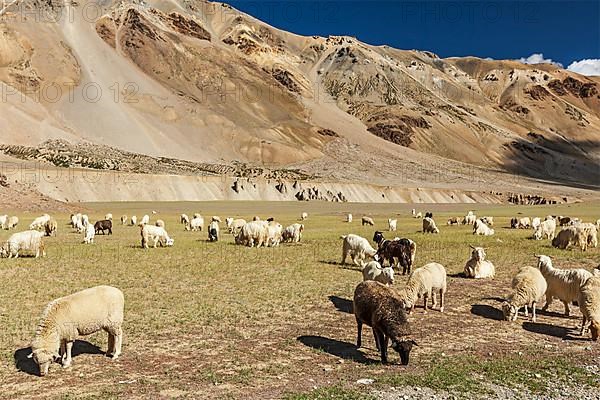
200 81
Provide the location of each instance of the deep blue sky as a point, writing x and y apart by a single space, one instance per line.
562 30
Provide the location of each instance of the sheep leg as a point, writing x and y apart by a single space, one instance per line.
118 342
111 343
548 302
63 351
381 339
344 255
377 344
442 293
533 311
425 302
433 300
68 361
526 312
583 326
567 309
359 334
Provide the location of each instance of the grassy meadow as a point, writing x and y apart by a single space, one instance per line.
215 320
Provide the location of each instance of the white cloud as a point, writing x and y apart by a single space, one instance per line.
538 58
589 67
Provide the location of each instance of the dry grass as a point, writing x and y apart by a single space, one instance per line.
214 320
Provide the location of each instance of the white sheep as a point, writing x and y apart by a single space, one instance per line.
213 231
79 314
392 224
253 233
589 305
28 240
480 228
304 216
589 232
529 286
3 221
12 222
546 228
418 215
293 233
123 219
74 219
235 225
196 224
477 266
51 227
157 235
85 220
424 282
535 222
564 284
598 225
145 220
90 232
357 247
373 271
523 223
349 218
469 219
216 218
133 220
108 217
429 226
274 234
367 221
39 222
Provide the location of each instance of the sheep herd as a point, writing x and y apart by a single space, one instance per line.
376 303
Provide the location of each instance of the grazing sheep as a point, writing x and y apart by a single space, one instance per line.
145 220
90 232
236 225
570 236
304 216
349 218
477 266
39 222
528 286
367 221
184 219
213 231
123 219
51 227
564 284
105 225
196 224
357 247
489 221
380 307
469 219
524 223
79 227
253 233
157 235
160 222
274 234
293 233
373 271
133 220
514 223
74 219
392 224
429 226
424 282
79 314
3 221
419 215
589 232
452 221
546 229
108 216
480 228
589 304
12 222
535 222
398 252
28 240
414 212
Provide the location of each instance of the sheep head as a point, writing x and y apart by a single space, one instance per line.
478 253
404 348
544 261
509 311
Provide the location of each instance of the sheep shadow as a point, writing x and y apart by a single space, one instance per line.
25 364
556 331
487 311
341 304
344 350
555 314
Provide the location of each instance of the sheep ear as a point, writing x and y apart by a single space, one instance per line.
414 343
471 246
30 355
